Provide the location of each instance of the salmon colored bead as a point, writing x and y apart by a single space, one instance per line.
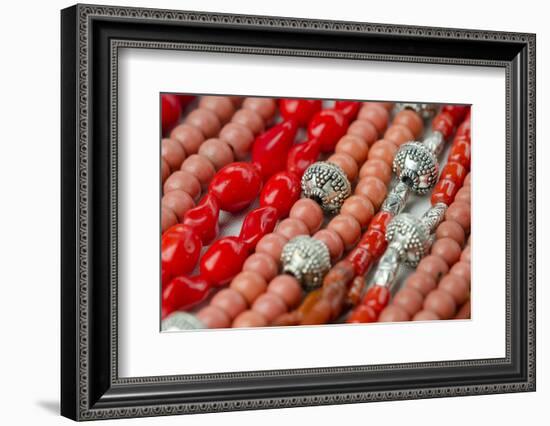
219 105
376 168
204 120
421 281
229 300
172 152
249 119
464 312
354 146
399 134
365 130
290 228
411 120
394 313
183 181
426 316
237 101
287 288
272 245
459 212
462 269
214 317
333 242
383 150
468 179
262 264
447 249
239 138
441 303
200 167
190 137
376 114
249 284
164 170
452 230
270 306
265 107
167 218
217 151
179 202
409 299
348 228
463 195
361 208
346 163
249 319
465 256
309 212
457 287
372 188
434 266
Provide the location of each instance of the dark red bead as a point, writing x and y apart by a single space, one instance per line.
362 314
170 112
281 191
361 259
375 242
204 218
236 186
453 171
458 112
180 250
380 221
377 298
303 155
350 109
223 260
300 110
270 149
185 100
183 293
256 224
444 123
460 153
328 126
444 192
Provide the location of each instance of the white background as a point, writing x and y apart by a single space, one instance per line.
29 223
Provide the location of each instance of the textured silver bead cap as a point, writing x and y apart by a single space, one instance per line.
307 259
416 165
410 236
327 184
179 321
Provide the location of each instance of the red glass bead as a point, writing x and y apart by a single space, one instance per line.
458 112
300 110
183 293
328 126
170 112
453 171
380 221
270 149
223 260
256 224
444 192
281 191
362 314
236 186
444 123
375 242
303 155
204 218
460 153
361 259
350 109
164 279
377 298
180 250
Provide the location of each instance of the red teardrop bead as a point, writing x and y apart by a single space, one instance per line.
300 110
170 112
183 293
236 186
328 126
281 191
270 149
204 218
256 224
223 260
180 250
303 155
350 109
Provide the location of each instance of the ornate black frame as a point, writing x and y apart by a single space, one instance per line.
91 388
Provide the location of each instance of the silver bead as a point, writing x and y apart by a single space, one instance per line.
307 259
434 216
179 321
426 111
410 236
327 184
416 165
396 199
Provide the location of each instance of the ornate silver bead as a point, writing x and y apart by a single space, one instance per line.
307 259
179 321
424 110
416 165
396 199
327 184
410 236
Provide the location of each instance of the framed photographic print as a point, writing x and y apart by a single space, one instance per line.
263 212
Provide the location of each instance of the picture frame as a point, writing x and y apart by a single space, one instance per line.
90 384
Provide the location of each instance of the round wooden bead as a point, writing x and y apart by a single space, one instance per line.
333 242
204 120
376 168
361 208
265 107
462 269
309 212
172 152
183 181
348 228
214 317
270 305
409 299
262 264
290 228
168 218
441 303
354 146
421 282
272 245
451 229
425 315
239 138
200 167
164 170
448 249
249 319
373 188
376 114
249 119
459 212
394 313
231 301
383 150
179 202
399 134
434 266
287 288
189 137
411 120
217 151
249 284
346 163
456 286
219 105
365 130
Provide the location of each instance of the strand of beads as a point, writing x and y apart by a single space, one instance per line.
410 238
202 153
321 305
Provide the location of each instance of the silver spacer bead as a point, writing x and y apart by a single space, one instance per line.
434 216
327 184
396 199
307 259
425 111
416 165
410 236
179 321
